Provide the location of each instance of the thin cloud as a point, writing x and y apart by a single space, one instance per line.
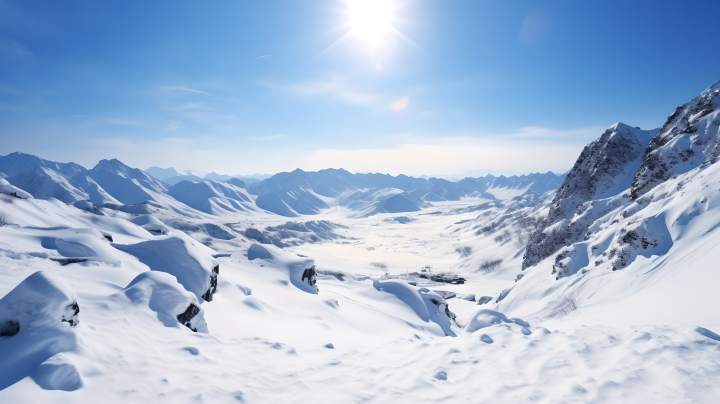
263 56
333 87
187 89
12 48
174 125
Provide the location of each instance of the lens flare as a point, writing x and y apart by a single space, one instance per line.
400 104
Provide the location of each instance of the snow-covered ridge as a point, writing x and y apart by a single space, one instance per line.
604 168
689 138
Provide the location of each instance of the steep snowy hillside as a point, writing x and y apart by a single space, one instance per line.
611 241
605 168
213 197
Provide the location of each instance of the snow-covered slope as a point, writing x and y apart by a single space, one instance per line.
213 197
689 138
604 168
44 182
369 202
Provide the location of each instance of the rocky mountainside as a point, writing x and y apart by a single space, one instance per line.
605 168
689 138
634 217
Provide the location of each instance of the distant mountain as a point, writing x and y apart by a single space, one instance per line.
174 180
172 175
215 198
162 173
117 186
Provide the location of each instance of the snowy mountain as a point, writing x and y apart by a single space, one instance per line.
595 286
215 198
631 225
163 173
688 139
605 168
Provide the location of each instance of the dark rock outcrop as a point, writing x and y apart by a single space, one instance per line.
690 137
311 275
187 316
605 168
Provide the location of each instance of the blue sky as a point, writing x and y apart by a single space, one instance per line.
241 87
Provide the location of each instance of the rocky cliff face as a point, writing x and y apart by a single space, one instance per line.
605 168
688 139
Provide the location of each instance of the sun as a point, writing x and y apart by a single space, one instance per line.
371 20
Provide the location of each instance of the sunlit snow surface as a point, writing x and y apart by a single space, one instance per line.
640 334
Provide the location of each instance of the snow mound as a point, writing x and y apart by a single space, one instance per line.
256 251
88 244
36 322
429 306
7 188
58 373
487 318
151 224
195 269
162 293
299 270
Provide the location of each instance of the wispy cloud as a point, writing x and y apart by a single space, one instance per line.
263 56
12 48
179 88
333 86
191 106
174 125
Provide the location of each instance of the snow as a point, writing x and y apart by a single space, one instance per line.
37 318
9 189
117 295
193 267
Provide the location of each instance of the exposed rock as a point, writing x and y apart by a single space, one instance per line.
689 138
605 168
185 317
9 328
311 276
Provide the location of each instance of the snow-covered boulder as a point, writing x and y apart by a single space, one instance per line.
36 322
151 224
689 138
7 188
86 244
162 293
300 270
194 268
429 306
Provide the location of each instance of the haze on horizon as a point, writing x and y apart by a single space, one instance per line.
395 86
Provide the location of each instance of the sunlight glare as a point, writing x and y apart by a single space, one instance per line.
371 20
